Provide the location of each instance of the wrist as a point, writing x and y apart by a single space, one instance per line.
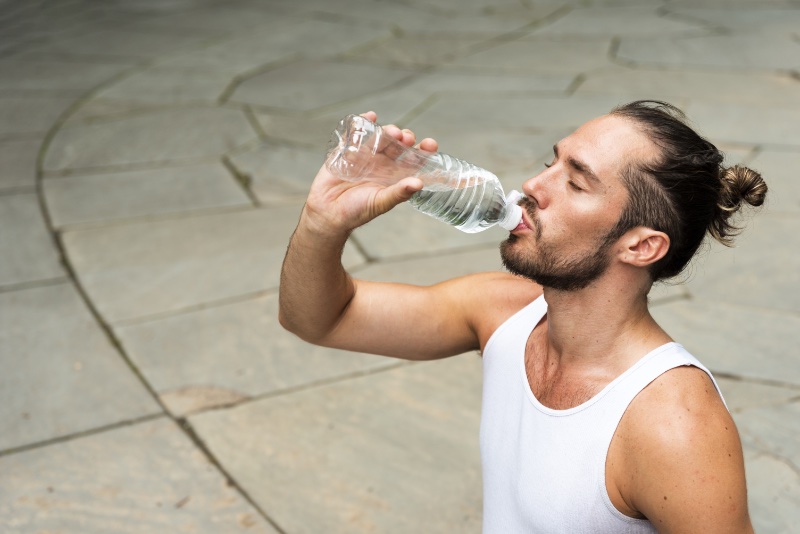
320 232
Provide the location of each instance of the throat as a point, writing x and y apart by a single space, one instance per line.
554 385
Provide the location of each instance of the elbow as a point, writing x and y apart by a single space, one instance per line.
301 329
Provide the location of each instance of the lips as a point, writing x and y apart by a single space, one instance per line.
523 223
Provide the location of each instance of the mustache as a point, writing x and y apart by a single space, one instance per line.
531 208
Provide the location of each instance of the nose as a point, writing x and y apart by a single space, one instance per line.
536 189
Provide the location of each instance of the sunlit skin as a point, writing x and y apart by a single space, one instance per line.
676 457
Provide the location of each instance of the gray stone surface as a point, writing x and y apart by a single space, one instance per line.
780 170
306 85
764 123
108 197
406 232
61 375
271 43
534 54
30 114
707 85
155 137
740 52
239 348
144 478
19 163
742 340
28 251
181 266
761 271
167 86
147 268
643 20
60 77
279 172
362 455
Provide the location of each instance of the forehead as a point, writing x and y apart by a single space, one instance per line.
609 144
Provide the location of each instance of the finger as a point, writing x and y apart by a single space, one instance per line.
370 116
429 145
393 131
409 138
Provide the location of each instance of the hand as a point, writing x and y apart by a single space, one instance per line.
336 207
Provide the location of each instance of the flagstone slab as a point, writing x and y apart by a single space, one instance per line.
707 85
773 493
117 42
54 76
238 348
405 231
30 114
750 123
415 50
763 270
774 430
741 340
61 375
159 136
147 477
756 18
770 437
307 85
108 197
279 172
534 55
205 17
283 38
391 441
619 21
558 115
743 395
147 268
779 170
26 246
167 86
737 51
18 159
437 20
309 132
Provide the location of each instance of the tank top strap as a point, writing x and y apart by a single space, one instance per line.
621 392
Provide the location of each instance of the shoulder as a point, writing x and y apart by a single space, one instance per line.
684 464
490 298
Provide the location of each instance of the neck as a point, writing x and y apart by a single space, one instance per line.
606 322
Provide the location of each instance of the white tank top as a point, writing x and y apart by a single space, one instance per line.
544 469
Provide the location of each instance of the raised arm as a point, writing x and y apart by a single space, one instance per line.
322 304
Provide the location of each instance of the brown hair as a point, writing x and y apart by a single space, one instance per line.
686 191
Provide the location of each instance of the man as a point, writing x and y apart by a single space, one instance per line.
593 419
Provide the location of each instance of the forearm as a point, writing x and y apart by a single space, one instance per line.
315 289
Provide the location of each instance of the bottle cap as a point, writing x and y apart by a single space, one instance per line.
513 211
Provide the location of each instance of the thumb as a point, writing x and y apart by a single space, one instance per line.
395 194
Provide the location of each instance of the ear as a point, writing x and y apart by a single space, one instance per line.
642 246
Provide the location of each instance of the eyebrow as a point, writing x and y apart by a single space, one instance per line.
579 166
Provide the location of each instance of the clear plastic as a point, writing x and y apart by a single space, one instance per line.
455 191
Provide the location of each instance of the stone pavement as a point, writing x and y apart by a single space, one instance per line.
155 155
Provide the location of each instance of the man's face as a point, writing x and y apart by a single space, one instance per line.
571 207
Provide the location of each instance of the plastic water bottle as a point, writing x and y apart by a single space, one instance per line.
455 191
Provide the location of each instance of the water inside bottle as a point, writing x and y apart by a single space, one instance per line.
471 209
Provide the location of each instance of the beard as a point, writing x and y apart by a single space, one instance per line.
544 266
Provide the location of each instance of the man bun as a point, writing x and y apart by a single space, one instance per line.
738 184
